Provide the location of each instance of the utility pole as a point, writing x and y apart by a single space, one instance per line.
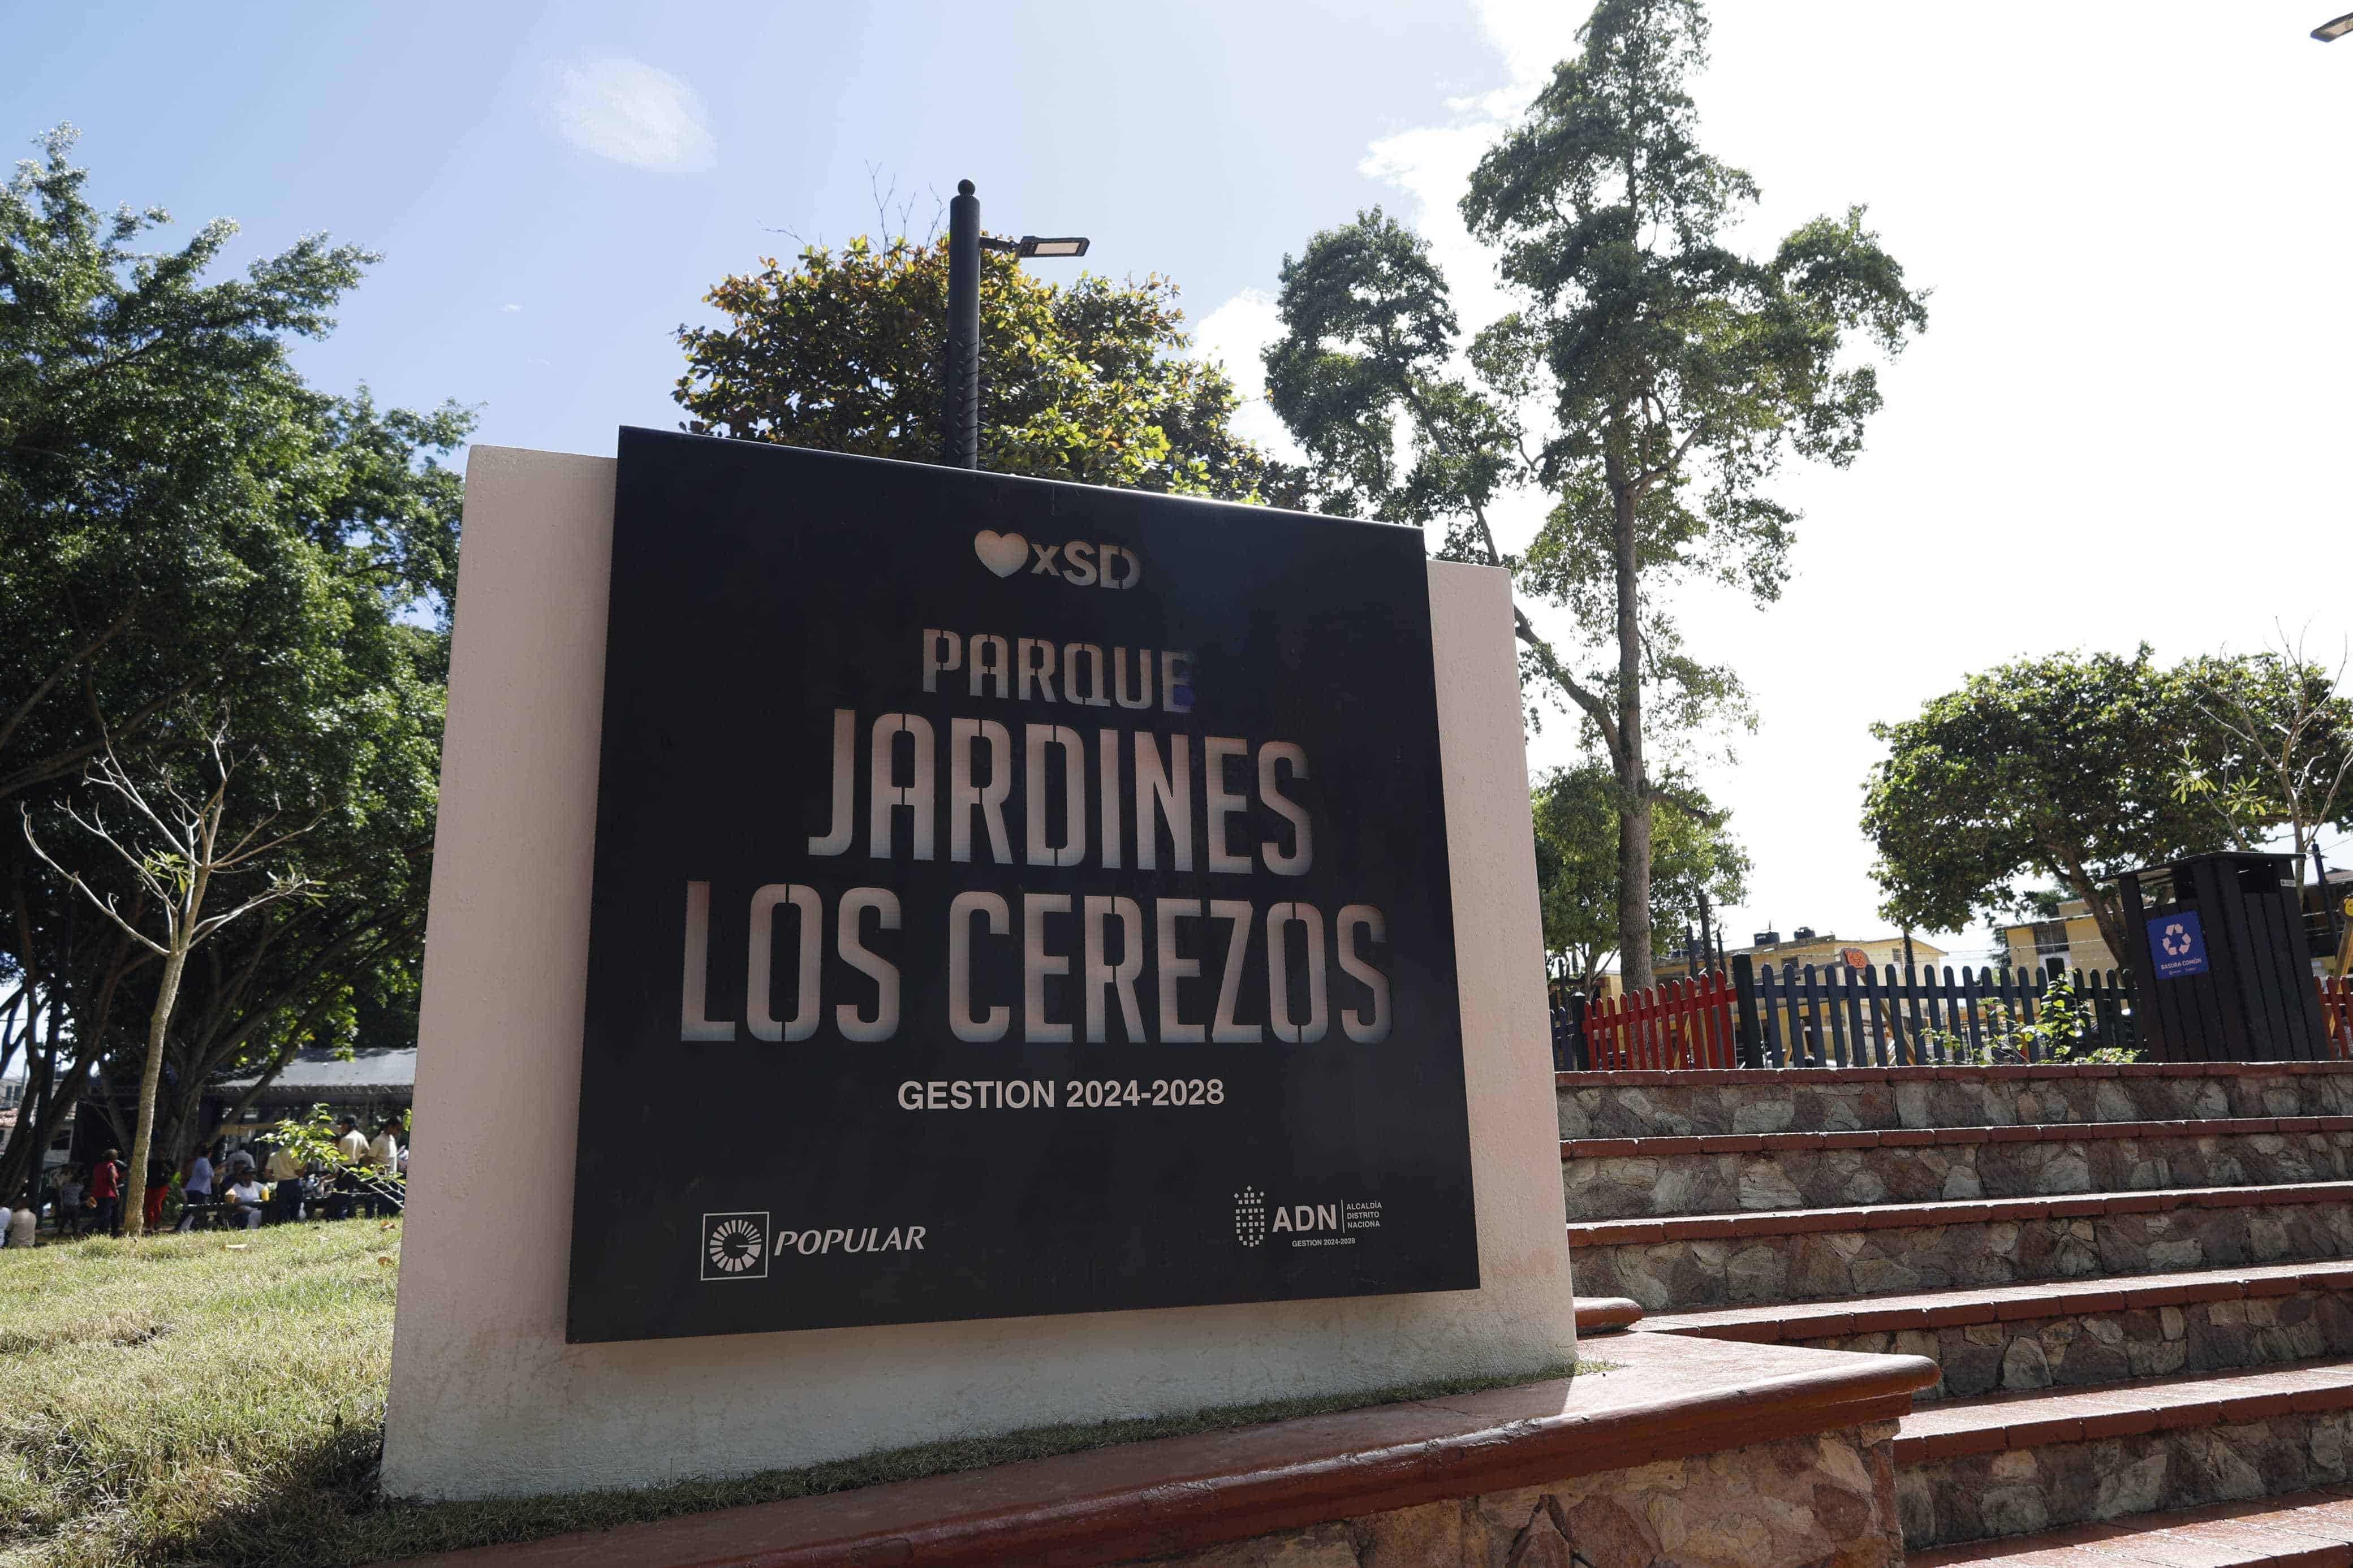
960 390
960 406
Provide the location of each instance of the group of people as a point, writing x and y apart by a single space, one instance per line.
225 1186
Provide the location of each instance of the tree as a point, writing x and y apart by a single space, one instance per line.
1578 865
176 845
2061 769
1661 377
2274 748
184 521
842 351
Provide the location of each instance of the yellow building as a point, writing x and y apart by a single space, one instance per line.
1821 949
1805 946
2074 939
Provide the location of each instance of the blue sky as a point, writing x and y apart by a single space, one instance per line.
432 133
2127 420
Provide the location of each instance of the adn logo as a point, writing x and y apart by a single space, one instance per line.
1250 1216
1079 564
735 1245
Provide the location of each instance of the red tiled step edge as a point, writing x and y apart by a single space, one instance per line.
1656 1076
1999 1303
2297 1529
1973 1211
1606 1314
1918 1137
1665 1398
2029 1420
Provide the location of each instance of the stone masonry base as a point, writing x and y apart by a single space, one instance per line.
2021 1491
1823 1501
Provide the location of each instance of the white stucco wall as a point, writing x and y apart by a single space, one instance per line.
488 1400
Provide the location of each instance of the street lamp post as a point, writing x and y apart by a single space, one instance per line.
960 401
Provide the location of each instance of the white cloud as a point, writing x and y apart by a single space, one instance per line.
1532 36
1236 333
605 103
1431 165
509 309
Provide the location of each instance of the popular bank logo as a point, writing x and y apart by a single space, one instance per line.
1078 563
735 1245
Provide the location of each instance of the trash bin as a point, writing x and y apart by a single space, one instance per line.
2220 967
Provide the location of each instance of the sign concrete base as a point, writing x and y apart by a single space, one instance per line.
488 1400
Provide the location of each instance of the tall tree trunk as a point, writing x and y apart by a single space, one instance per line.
159 1023
2107 909
33 1115
1633 786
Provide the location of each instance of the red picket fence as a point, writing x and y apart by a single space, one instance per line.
1677 1023
2336 1011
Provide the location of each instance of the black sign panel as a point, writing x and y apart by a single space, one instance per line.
1011 898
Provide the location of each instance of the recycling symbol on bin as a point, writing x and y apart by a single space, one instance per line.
2176 941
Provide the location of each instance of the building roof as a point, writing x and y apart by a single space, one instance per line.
317 1073
1826 942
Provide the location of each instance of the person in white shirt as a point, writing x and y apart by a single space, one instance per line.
350 1155
196 1189
383 1170
244 1198
6 1215
21 1226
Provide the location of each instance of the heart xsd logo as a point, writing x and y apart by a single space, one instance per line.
1002 553
1079 564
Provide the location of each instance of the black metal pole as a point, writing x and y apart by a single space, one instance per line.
2329 909
960 404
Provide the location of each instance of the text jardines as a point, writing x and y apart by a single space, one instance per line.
1175 802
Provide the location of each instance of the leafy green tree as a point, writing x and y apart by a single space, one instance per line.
2274 748
842 351
186 527
1651 383
2059 769
1578 868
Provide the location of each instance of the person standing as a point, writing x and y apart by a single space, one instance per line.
197 1189
351 1154
159 1188
106 1191
69 1196
383 1168
285 1174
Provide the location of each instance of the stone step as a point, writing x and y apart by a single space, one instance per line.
2013 1463
1796 1254
2072 1334
1689 1102
2300 1530
1615 1178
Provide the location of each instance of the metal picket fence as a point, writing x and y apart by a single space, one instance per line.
1832 1016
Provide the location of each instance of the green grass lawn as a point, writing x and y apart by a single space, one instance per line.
207 1398
219 1399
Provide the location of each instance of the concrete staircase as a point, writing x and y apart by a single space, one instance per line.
2136 1282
